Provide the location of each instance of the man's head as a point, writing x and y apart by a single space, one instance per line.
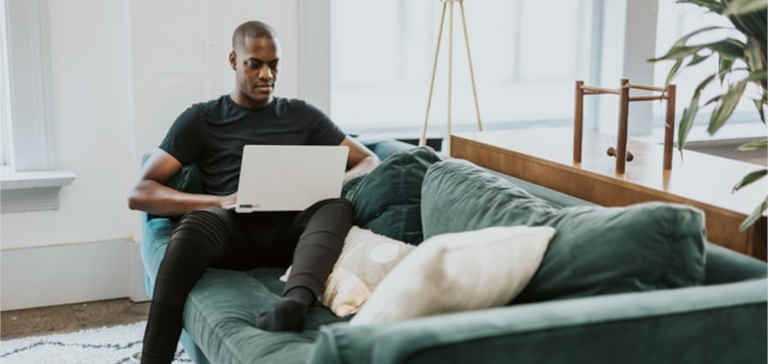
254 57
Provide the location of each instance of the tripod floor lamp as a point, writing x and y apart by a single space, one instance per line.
446 3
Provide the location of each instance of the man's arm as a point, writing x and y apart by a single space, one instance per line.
152 196
360 159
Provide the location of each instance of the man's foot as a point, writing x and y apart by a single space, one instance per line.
288 315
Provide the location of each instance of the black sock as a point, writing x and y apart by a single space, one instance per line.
289 313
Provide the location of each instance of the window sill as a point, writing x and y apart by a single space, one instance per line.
31 191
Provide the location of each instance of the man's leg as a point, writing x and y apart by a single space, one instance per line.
201 238
323 228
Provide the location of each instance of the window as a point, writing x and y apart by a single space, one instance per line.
674 21
27 180
382 55
28 71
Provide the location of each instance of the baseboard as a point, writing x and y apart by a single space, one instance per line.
70 273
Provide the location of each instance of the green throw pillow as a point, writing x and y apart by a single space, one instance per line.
596 250
387 200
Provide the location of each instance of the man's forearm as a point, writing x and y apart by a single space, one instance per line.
365 165
158 199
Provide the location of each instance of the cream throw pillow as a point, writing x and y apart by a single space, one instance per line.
364 261
458 271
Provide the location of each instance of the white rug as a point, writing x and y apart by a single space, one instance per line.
107 345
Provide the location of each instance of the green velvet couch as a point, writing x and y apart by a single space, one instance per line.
721 321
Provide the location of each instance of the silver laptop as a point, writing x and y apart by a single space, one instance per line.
289 177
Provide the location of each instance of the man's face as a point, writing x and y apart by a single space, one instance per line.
255 65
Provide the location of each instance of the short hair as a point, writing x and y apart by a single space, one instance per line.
251 29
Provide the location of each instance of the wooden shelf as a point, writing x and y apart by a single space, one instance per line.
545 157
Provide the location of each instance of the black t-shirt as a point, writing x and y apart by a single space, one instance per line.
212 134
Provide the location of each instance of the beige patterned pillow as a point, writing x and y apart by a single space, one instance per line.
365 260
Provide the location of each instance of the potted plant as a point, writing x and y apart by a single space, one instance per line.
740 62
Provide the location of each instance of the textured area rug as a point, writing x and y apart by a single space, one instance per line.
107 345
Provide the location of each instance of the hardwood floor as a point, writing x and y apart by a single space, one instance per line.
72 317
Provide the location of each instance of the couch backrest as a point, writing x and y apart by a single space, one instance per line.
722 265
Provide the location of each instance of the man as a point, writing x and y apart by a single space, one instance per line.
211 135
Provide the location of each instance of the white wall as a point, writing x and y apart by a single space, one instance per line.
180 51
121 73
92 115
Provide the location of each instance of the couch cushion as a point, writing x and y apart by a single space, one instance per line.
387 200
221 312
222 308
596 250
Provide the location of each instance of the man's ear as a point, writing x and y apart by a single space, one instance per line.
232 59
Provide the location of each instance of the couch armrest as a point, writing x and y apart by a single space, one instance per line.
723 323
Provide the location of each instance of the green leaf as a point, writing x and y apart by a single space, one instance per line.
739 7
689 114
759 106
678 52
729 47
698 59
756 213
752 25
752 55
725 109
757 75
733 48
713 5
714 99
686 123
684 39
749 178
724 67
702 85
754 145
673 72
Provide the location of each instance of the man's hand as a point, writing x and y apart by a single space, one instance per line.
228 200
151 195
360 159
364 166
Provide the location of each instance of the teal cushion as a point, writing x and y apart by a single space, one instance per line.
383 148
221 312
387 200
596 250
222 308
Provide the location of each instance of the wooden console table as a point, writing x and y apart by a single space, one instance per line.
545 157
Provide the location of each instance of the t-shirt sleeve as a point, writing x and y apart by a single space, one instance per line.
184 139
324 131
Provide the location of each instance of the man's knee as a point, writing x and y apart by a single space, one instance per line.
215 217
208 225
338 203
334 216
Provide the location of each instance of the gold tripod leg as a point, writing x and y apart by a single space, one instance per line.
423 139
471 70
447 141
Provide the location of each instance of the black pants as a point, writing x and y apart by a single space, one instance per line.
311 240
